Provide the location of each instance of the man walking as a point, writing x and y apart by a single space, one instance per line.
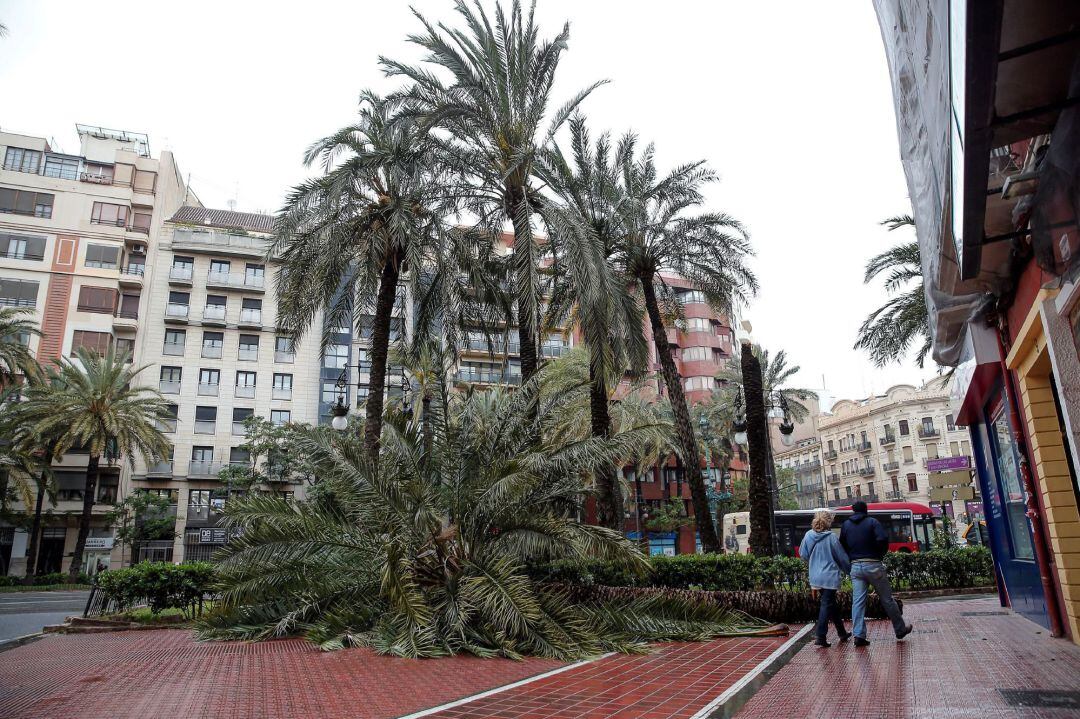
865 541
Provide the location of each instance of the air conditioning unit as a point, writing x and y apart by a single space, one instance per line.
138 247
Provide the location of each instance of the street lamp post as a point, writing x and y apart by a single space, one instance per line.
340 411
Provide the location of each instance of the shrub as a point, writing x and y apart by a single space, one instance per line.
59 578
941 568
9 581
160 584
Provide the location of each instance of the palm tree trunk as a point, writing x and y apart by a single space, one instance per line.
380 344
35 527
683 429
757 433
84 519
609 501
525 265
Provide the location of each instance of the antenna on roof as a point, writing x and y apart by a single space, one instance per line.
232 205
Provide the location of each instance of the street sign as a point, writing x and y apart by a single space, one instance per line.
959 478
99 543
944 464
212 535
949 494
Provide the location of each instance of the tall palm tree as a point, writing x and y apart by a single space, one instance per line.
888 332
584 233
495 116
92 402
708 249
775 377
15 356
345 239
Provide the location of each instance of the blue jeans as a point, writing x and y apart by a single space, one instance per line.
863 576
828 611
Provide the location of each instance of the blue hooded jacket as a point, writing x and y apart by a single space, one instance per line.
827 559
863 537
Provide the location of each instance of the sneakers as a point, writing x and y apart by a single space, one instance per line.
904 632
845 637
860 642
821 642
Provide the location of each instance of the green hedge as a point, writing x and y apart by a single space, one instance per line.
50 579
160 585
938 569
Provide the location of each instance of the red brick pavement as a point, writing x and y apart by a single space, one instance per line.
950 667
674 683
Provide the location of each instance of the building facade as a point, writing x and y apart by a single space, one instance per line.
885 448
803 459
75 236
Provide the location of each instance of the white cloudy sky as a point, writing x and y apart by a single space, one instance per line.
788 100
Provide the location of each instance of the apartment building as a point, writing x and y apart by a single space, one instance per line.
75 231
808 475
210 341
883 448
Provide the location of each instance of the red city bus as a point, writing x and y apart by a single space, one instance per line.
908 525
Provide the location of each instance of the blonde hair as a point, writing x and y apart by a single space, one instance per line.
823 520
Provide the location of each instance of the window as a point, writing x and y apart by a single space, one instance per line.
199 498
896 485
954 449
96 172
168 422
698 324
102 257
254 275
174 342
97 299
965 448
906 452
239 456
106 213
219 271
693 354
251 311
92 341
136 265
178 304
931 451
18 293
140 222
249 347
282 386
169 381
182 268
22 247
858 490
202 454
950 422
125 346
209 379
928 425
145 181
21 160
904 431
336 356
212 344
26 202
245 384
329 393
693 296
698 383
205 420
64 167
239 416
280 417
836 493
912 483
283 349
215 307
870 489
847 491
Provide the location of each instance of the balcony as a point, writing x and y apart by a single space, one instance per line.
169 387
553 350
866 471
160 469
930 432
230 281
808 466
205 426
894 495
97 178
180 275
219 242
281 393
214 315
132 276
487 377
864 446
832 478
208 470
250 354
250 318
891 466
830 454
175 312
887 440
208 389
244 391
284 357
211 351
126 320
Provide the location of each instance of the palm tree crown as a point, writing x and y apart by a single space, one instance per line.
775 376
15 356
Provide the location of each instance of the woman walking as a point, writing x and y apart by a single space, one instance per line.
828 562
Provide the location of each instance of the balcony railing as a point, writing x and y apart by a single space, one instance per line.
245 353
96 177
866 471
203 426
160 468
118 222
211 351
553 350
169 387
894 495
284 357
209 389
928 432
250 317
18 253
281 393
830 454
199 468
245 391
487 377
891 466
214 312
174 309
833 478
864 446
219 240
133 271
175 349
887 440
180 273
17 302
235 281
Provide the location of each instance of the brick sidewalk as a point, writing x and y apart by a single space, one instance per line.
955 664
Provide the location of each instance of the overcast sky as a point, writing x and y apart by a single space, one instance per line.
788 101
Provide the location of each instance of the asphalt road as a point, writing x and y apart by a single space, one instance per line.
24 613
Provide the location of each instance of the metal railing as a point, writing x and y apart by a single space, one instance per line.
174 309
219 239
204 469
891 466
214 312
180 273
160 468
865 446
209 389
866 471
832 478
281 393
244 391
235 280
830 454
247 354
211 351
284 357
928 432
887 440
250 317
169 387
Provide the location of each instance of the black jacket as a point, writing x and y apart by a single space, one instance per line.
863 537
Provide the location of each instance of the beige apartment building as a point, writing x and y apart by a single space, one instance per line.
808 476
878 449
75 230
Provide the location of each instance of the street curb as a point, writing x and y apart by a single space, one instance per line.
733 699
19 641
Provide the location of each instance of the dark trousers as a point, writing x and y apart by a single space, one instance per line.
828 611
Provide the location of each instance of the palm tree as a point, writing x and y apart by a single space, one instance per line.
708 249
585 232
493 113
15 356
346 238
92 402
775 375
891 329
427 558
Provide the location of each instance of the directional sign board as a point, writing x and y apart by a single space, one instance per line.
948 494
959 478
